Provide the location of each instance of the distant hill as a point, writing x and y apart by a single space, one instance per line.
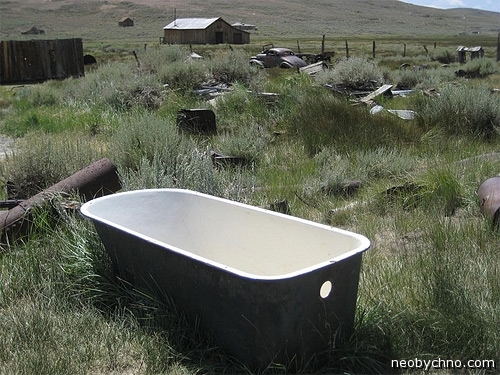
98 20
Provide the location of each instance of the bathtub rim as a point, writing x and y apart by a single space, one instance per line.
364 242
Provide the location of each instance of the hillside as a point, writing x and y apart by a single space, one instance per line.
98 20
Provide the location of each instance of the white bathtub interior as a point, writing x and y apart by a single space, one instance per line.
243 238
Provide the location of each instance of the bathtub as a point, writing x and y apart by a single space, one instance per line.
269 287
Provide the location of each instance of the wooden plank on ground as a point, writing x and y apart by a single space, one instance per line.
315 68
375 93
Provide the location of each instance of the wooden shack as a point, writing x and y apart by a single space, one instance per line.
126 22
475 53
33 31
203 31
244 26
40 60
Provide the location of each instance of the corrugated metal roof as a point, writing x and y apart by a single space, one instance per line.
191 23
475 49
242 24
469 49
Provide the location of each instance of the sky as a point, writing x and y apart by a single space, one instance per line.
491 5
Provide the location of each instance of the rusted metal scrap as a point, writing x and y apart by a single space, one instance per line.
281 206
315 68
10 203
33 31
97 179
220 160
489 200
405 114
197 121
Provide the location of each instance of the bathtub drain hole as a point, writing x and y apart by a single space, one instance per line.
325 289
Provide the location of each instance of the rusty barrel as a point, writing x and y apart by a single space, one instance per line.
489 199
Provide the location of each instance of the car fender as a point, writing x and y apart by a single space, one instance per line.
293 61
257 63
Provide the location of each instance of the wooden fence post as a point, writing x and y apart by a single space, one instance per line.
373 52
498 47
346 49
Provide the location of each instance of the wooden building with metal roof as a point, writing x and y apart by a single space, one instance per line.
475 53
126 22
203 31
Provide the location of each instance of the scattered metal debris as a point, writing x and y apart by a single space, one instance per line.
430 93
315 68
220 160
313 58
281 206
194 56
345 189
402 93
376 109
323 56
270 98
405 114
214 97
33 31
212 89
89 60
339 89
197 121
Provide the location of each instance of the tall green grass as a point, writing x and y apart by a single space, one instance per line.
322 120
39 160
59 298
441 288
461 110
354 73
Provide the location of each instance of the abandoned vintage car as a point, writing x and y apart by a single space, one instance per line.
271 57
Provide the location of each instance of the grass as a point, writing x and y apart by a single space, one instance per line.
429 285
471 112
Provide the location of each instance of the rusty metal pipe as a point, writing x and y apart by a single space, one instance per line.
489 199
98 179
